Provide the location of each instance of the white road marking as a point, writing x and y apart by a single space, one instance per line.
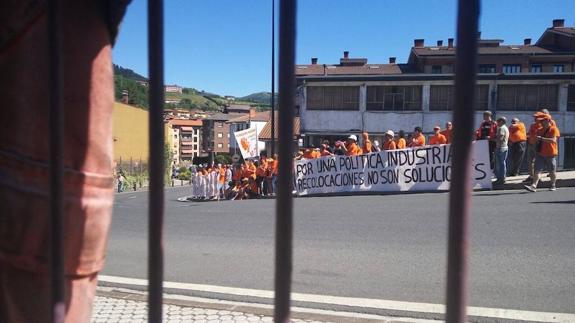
358 302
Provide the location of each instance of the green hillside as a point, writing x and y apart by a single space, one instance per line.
136 85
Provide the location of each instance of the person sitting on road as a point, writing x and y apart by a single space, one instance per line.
437 138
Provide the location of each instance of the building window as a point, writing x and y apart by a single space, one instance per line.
441 97
558 68
333 98
175 136
436 69
219 124
393 98
571 98
195 139
228 145
527 97
220 135
486 68
511 68
536 68
220 145
195 147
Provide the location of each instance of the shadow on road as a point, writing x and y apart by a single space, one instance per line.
555 202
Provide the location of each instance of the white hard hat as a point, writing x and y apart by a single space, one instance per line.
390 132
352 137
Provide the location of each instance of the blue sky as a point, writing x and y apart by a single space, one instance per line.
224 46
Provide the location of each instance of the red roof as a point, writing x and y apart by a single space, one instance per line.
185 122
258 116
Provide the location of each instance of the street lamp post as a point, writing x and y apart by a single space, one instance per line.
273 137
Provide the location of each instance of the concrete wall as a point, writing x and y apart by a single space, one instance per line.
377 122
130 132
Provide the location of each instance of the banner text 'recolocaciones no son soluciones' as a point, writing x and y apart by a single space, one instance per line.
425 168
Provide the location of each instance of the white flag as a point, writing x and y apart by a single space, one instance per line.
247 140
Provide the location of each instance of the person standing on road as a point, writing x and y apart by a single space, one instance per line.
367 146
437 138
501 149
447 131
121 181
486 131
350 147
547 151
518 139
388 143
418 139
401 143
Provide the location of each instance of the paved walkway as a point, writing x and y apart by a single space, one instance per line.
115 310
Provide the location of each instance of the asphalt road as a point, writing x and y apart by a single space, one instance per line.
389 247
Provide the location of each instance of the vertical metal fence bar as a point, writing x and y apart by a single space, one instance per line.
284 201
156 169
58 291
273 99
460 192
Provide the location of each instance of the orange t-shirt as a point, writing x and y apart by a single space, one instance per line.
275 167
353 149
366 149
261 171
418 141
389 145
548 149
401 144
222 175
533 133
517 132
447 134
237 175
438 139
325 152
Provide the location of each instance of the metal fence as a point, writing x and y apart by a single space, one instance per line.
460 193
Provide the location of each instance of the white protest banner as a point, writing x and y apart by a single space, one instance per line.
425 168
247 140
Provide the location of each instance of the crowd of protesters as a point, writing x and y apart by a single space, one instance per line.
509 145
252 179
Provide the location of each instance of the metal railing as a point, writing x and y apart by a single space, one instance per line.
460 193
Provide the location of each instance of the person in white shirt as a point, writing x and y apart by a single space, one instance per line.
501 149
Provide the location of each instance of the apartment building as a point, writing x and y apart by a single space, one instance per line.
184 138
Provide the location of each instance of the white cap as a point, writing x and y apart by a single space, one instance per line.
352 137
390 132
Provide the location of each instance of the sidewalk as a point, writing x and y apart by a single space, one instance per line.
564 179
115 305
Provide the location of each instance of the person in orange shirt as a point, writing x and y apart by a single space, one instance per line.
401 143
260 176
531 143
437 138
367 146
388 143
274 169
547 152
418 139
311 153
518 140
447 131
251 170
350 147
